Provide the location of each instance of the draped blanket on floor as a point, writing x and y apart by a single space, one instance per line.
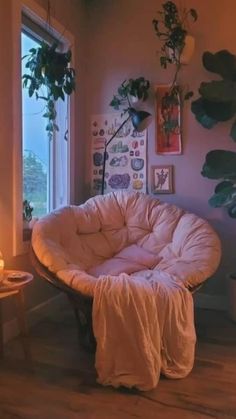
144 327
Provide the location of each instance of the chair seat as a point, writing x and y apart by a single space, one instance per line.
125 232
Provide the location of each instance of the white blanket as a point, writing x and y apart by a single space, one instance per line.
144 326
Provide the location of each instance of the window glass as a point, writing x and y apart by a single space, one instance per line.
45 162
36 156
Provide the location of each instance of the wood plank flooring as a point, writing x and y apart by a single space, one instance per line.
61 383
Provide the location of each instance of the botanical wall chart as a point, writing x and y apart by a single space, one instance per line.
126 155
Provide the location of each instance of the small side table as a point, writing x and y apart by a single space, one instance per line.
12 283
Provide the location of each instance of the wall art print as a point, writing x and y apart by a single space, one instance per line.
126 155
162 179
168 121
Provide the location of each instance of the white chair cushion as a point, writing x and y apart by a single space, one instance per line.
74 241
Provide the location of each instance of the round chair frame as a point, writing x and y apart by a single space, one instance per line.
81 304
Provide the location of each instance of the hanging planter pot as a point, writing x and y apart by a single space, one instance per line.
232 296
188 49
184 55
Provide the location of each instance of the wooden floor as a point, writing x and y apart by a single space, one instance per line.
62 383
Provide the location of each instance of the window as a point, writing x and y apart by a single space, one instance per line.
44 161
43 169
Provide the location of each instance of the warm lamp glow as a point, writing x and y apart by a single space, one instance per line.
1 264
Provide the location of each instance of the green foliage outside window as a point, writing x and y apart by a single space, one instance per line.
35 183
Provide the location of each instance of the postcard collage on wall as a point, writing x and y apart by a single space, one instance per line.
126 165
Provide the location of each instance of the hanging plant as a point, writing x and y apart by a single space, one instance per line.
217 103
129 91
27 210
171 29
50 78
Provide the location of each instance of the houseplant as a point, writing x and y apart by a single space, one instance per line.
50 77
130 91
27 213
217 103
177 48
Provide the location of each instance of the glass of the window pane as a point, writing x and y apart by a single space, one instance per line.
35 144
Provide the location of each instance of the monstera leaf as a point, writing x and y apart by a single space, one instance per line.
221 164
218 98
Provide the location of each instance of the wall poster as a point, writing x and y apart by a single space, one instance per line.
126 164
168 122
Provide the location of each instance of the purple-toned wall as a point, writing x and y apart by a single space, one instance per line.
122 44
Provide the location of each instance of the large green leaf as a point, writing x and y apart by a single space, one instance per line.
220 164
218 103
221 199
223 186
218 91
198 108
219 111
232 209
222 63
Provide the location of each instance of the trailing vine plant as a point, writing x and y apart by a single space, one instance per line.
50 77
171 29
131 89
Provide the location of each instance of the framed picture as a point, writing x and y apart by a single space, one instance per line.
162 179
168 120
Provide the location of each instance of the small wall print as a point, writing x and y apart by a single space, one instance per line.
168 130
162 179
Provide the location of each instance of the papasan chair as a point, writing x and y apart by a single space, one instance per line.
122 235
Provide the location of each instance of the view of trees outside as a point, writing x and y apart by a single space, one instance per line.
35 145
35 183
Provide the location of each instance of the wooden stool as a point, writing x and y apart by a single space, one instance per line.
12 283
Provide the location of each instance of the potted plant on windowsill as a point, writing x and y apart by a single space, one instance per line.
27 213
50 78
177 49
217 103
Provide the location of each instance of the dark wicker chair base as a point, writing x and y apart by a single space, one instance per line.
82 305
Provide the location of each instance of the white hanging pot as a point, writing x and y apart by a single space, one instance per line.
135 100
188 49
232 296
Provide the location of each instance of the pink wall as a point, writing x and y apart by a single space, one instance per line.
122 44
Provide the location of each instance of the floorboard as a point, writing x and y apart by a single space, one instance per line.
61 382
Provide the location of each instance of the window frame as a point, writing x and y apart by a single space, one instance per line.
38 15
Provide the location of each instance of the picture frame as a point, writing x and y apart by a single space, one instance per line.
168 120
162 179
